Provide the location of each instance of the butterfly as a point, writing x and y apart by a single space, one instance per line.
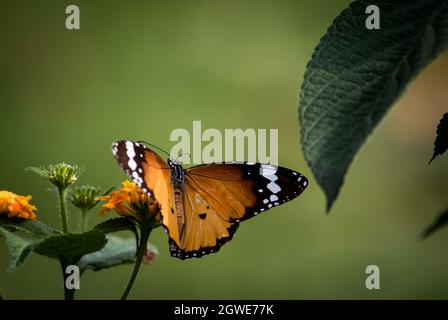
202 206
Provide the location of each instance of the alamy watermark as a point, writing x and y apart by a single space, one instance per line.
231 145
72 280
72 22
373 20
373 278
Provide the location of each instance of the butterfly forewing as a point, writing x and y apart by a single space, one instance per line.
257 187
152 174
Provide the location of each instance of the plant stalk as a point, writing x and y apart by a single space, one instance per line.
69 294
83 220
146 231
62 203
1 297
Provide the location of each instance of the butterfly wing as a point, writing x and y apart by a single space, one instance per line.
205 230
218 196
152 174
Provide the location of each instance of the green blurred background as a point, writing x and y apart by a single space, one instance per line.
138 70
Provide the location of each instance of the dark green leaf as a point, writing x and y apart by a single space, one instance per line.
117 251
441 143
441 221
33 228
19 248
117 224
71 246
355 75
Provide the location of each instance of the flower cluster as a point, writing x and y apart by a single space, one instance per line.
141 214
16 206
130 201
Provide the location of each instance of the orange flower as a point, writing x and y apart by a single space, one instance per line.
130 201
16 206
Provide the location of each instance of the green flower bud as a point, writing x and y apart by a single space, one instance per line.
84 197
61 175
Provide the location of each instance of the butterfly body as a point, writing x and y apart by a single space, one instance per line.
202 206
177 175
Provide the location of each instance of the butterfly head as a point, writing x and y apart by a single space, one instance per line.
177 173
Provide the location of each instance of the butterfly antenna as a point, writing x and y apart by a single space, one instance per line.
150 144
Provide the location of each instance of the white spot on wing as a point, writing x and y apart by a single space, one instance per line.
267 170
275 188
130 152
132 164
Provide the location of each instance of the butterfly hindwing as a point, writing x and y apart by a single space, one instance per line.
205 229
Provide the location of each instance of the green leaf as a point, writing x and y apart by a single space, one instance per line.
19 248
118 251
441 143
355 75
33 228
118 224
71 246
440 222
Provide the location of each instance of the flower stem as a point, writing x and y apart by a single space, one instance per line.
62 203
83 220
69 294
1 297
146 231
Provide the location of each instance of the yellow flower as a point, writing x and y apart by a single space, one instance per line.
16 206
131 201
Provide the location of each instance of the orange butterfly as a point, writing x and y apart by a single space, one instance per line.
203 205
